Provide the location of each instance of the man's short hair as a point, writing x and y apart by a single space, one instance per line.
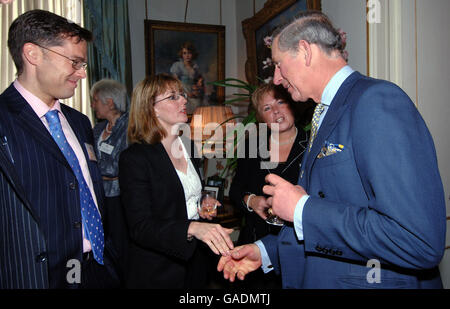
313 27
44 28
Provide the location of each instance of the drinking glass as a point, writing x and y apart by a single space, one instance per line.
207 203
273 219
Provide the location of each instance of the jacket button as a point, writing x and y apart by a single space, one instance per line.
72 186
321 194
77 225
42 257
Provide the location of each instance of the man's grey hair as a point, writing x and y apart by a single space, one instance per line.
111 89
313 27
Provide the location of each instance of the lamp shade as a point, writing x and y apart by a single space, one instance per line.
206 119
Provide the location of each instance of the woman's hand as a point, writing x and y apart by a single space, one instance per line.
214 235
209 208
259 205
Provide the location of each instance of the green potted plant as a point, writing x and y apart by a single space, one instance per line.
239 131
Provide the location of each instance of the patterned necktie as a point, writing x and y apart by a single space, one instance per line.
315 123
92 223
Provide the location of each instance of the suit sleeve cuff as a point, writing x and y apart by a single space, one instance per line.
298 216
266 264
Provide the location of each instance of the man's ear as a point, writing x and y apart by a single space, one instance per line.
110 103
305 51
31 53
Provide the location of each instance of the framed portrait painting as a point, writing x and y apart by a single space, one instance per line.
274 14
195 53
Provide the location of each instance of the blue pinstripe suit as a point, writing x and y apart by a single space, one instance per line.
40 218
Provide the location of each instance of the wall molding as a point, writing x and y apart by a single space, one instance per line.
392 46
385 42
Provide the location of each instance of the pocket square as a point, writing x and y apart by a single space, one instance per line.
330 149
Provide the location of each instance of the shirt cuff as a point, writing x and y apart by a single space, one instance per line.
266 264
298 216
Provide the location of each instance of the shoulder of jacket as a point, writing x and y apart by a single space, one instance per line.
143 149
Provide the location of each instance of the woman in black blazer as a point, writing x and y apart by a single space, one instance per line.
160 186
286 143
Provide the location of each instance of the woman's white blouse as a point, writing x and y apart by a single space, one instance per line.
192 187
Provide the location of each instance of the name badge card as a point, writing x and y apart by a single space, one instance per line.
106 148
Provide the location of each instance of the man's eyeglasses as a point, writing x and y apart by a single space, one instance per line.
174 97
76 64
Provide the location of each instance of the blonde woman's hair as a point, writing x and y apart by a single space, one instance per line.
278 93
143 125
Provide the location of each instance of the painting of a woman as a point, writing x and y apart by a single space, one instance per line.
187 71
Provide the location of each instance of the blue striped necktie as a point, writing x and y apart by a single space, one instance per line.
92 223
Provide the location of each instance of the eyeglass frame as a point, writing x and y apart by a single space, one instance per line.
75 63
182 94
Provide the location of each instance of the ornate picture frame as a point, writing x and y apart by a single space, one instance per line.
164 40
262 24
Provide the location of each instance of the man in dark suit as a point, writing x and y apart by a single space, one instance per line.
369 208
52 236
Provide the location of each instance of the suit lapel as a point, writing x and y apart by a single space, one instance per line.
192 154
334 113
30 122
169 168
78 133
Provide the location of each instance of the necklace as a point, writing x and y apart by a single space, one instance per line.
289 141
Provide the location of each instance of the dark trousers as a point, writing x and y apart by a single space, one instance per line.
96 276
116 229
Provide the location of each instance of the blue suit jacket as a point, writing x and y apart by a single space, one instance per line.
40 220
380 198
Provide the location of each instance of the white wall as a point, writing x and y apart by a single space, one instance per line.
433 44
199 11
244 10
433 67
350 16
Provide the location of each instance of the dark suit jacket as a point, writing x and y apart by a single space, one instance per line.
39 201
160 256
380 198
250 178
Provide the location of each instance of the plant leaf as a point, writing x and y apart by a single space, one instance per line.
307 127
